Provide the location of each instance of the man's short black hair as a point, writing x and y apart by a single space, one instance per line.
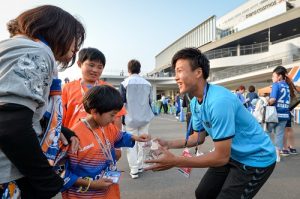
196 58
134 66
92 54
103 98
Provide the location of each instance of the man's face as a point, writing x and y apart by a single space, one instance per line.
185 77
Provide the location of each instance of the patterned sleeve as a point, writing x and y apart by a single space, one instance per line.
125 140
119 138
69 177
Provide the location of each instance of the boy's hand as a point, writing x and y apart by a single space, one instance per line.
142 138
102 183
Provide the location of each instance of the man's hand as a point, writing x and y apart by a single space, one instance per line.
166 161
163 143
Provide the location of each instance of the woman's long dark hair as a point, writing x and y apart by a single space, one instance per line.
280 70
52 24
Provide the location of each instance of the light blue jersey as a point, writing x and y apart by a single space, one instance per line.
223 117
281 92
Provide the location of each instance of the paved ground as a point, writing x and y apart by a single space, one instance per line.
283 184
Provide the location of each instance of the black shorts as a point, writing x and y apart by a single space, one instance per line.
233 181
289 123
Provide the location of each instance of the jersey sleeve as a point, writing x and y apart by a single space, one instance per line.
69 177
274 92
222 119
119 138
125 140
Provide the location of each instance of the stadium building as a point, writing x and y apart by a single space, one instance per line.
243 46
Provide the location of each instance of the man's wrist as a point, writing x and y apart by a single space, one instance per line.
177 160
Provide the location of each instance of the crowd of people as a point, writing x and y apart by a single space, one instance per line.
281 92
69 138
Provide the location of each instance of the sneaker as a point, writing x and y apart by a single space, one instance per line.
134 175
293 151
141 170
284 152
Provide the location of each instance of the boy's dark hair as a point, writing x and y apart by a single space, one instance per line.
103 98
196 58
92 54
53 25
134 66
251 89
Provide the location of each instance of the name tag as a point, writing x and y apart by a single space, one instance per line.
113 175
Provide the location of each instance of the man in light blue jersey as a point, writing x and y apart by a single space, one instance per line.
244 156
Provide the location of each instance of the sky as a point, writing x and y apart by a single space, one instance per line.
127 29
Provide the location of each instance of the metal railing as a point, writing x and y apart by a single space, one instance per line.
254 48
233 51
219 53
268 62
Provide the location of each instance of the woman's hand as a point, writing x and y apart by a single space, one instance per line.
74 144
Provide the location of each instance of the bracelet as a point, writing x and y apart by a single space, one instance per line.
87 187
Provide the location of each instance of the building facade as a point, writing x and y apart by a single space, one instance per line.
243 46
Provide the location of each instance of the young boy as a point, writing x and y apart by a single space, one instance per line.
98 137
91 62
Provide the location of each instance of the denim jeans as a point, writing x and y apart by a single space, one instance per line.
278 131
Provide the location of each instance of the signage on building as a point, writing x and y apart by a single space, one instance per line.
246 11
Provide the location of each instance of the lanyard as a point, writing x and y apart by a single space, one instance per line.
189 130
81 87
106 148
